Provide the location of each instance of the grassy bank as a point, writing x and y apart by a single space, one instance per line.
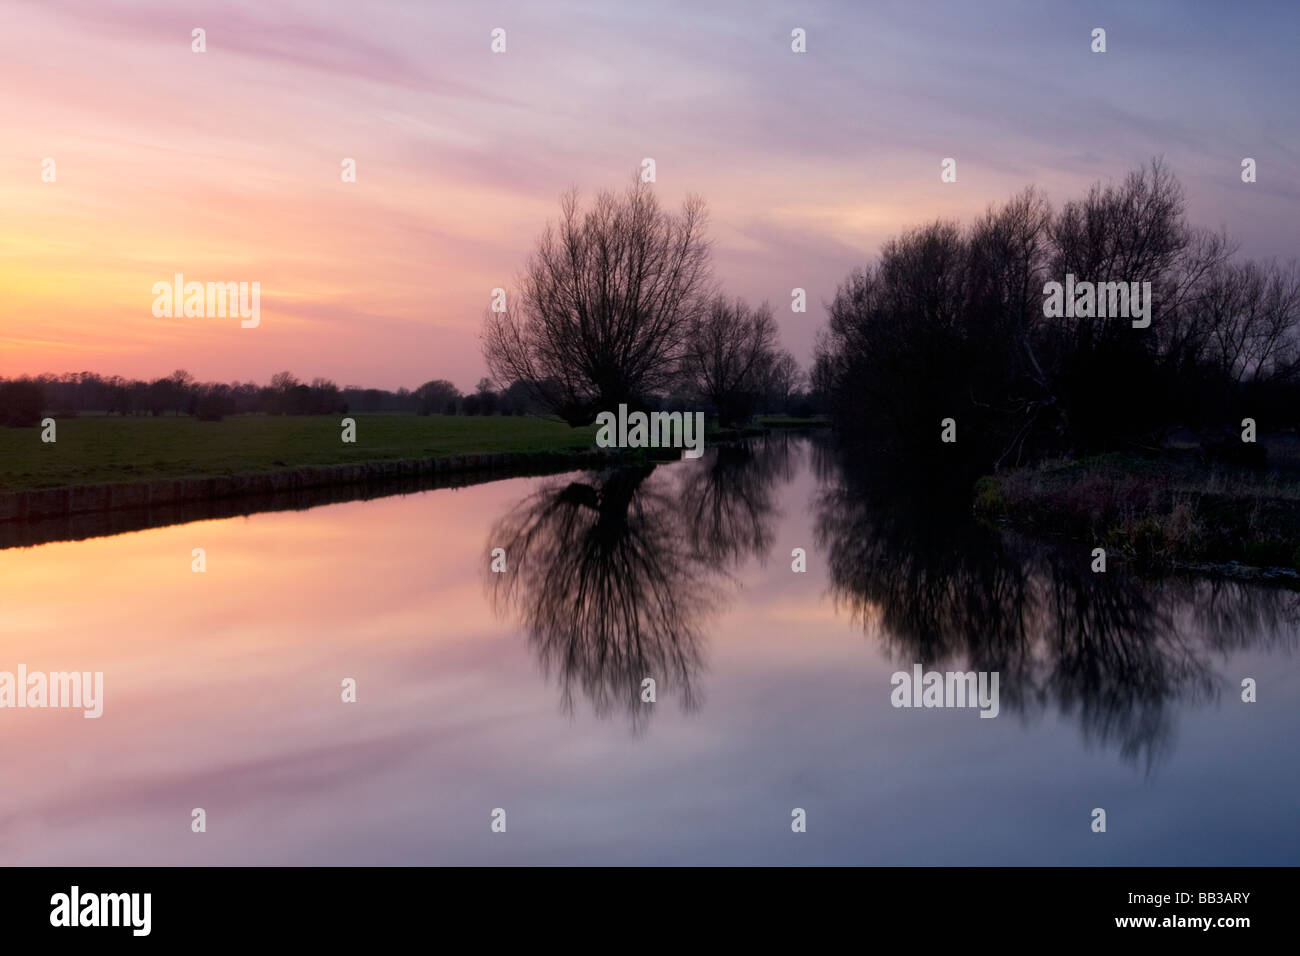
108 449
1162 510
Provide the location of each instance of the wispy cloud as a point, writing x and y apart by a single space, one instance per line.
227 163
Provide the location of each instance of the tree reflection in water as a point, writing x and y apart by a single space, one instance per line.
1113 650
614 575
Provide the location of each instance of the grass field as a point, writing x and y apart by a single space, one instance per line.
102 449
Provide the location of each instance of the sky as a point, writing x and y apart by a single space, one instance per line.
225 166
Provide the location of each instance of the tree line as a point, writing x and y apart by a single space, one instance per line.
949 322
24 401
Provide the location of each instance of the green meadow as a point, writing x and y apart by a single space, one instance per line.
100 449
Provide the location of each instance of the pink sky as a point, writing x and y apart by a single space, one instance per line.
225 166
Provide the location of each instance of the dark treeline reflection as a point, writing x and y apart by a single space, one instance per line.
615 575
1111 650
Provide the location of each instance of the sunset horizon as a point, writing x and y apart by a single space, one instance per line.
231 169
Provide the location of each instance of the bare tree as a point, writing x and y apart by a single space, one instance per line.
784 378
604 305
730 353
183 389
1132 232
1253 318
950 322
283 381
1189 299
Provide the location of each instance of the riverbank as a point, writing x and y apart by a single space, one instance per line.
95 450
83 499
153 504
1162 511
106 475
150 467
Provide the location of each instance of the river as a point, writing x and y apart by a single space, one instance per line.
524 691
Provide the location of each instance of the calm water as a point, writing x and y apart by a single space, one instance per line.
522 690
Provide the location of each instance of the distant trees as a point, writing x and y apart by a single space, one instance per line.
730 356
438 397
784 383
485 400
288 396
182 390
519 399
215 401
605 304
324 397
22 402
284 392
949 322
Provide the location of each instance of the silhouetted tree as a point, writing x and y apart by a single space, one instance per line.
604 305
487 397
729 355
22 402
436 396
783 381
950 323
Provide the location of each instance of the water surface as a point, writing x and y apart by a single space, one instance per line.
522 690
